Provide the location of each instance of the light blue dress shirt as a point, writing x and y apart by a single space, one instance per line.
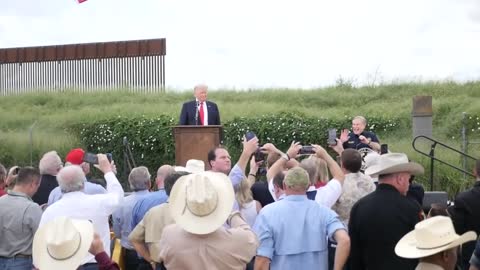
142 206
122 217
89 188
293 233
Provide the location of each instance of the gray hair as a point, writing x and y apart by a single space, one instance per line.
71 179
361 118
50 163
139 178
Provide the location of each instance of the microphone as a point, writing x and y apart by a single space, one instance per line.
196 112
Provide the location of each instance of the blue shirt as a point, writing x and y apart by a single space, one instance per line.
236 175
142 206
89 188
122 217
293 233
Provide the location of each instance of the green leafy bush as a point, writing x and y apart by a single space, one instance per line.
152 143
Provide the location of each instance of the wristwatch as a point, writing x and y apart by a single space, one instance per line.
284 156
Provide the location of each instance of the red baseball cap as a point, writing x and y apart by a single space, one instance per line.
75 156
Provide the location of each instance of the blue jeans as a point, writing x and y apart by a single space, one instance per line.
16 263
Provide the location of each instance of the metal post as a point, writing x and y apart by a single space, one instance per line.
464 143
31 142
432 156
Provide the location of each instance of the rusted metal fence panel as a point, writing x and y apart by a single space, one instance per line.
137 65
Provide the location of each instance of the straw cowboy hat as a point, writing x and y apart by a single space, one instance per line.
192 166
394 163
62 243
200 203
431 236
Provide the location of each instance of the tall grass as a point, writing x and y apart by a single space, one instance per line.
53 113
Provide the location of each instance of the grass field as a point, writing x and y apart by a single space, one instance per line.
52 113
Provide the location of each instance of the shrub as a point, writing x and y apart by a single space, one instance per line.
152 143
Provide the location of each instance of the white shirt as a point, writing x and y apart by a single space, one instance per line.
329 194
205 112
96 208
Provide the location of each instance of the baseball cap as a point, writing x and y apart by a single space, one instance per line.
75 156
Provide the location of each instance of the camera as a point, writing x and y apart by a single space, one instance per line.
306 150
93 159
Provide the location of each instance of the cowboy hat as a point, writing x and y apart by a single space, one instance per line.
62 243
394 163
431 236
200 203
192 166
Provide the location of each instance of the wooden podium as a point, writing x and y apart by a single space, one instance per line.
194 142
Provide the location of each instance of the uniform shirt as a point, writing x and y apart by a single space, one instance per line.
355 186
222 249
150 228
96 208
377 222
293 233
88 188
122 217
19 221
354 141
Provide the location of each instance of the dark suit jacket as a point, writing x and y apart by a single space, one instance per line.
47 184
187 116
377 222
465 215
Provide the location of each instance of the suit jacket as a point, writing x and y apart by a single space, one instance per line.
377 222
465 215
187 116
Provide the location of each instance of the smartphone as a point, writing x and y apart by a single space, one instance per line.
383 149
90 158
332 136
250 135
109 157
306 150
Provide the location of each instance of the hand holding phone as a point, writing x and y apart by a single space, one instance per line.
332 136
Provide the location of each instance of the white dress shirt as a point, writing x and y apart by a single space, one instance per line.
96 208
205 112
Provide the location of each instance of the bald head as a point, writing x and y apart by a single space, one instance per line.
162 173
71 178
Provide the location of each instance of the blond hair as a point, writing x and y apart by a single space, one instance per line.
243 194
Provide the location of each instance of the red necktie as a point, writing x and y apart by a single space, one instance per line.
201 113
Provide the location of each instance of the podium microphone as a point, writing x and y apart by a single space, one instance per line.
196 112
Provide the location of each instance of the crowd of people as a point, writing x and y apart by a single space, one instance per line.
314 211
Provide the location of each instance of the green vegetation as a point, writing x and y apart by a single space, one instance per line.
59 116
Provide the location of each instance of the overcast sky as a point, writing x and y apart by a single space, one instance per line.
269 43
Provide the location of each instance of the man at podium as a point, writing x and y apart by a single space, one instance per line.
200 112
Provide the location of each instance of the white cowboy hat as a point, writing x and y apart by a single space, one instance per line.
62 243
192 166
200 203
394 163
431 236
